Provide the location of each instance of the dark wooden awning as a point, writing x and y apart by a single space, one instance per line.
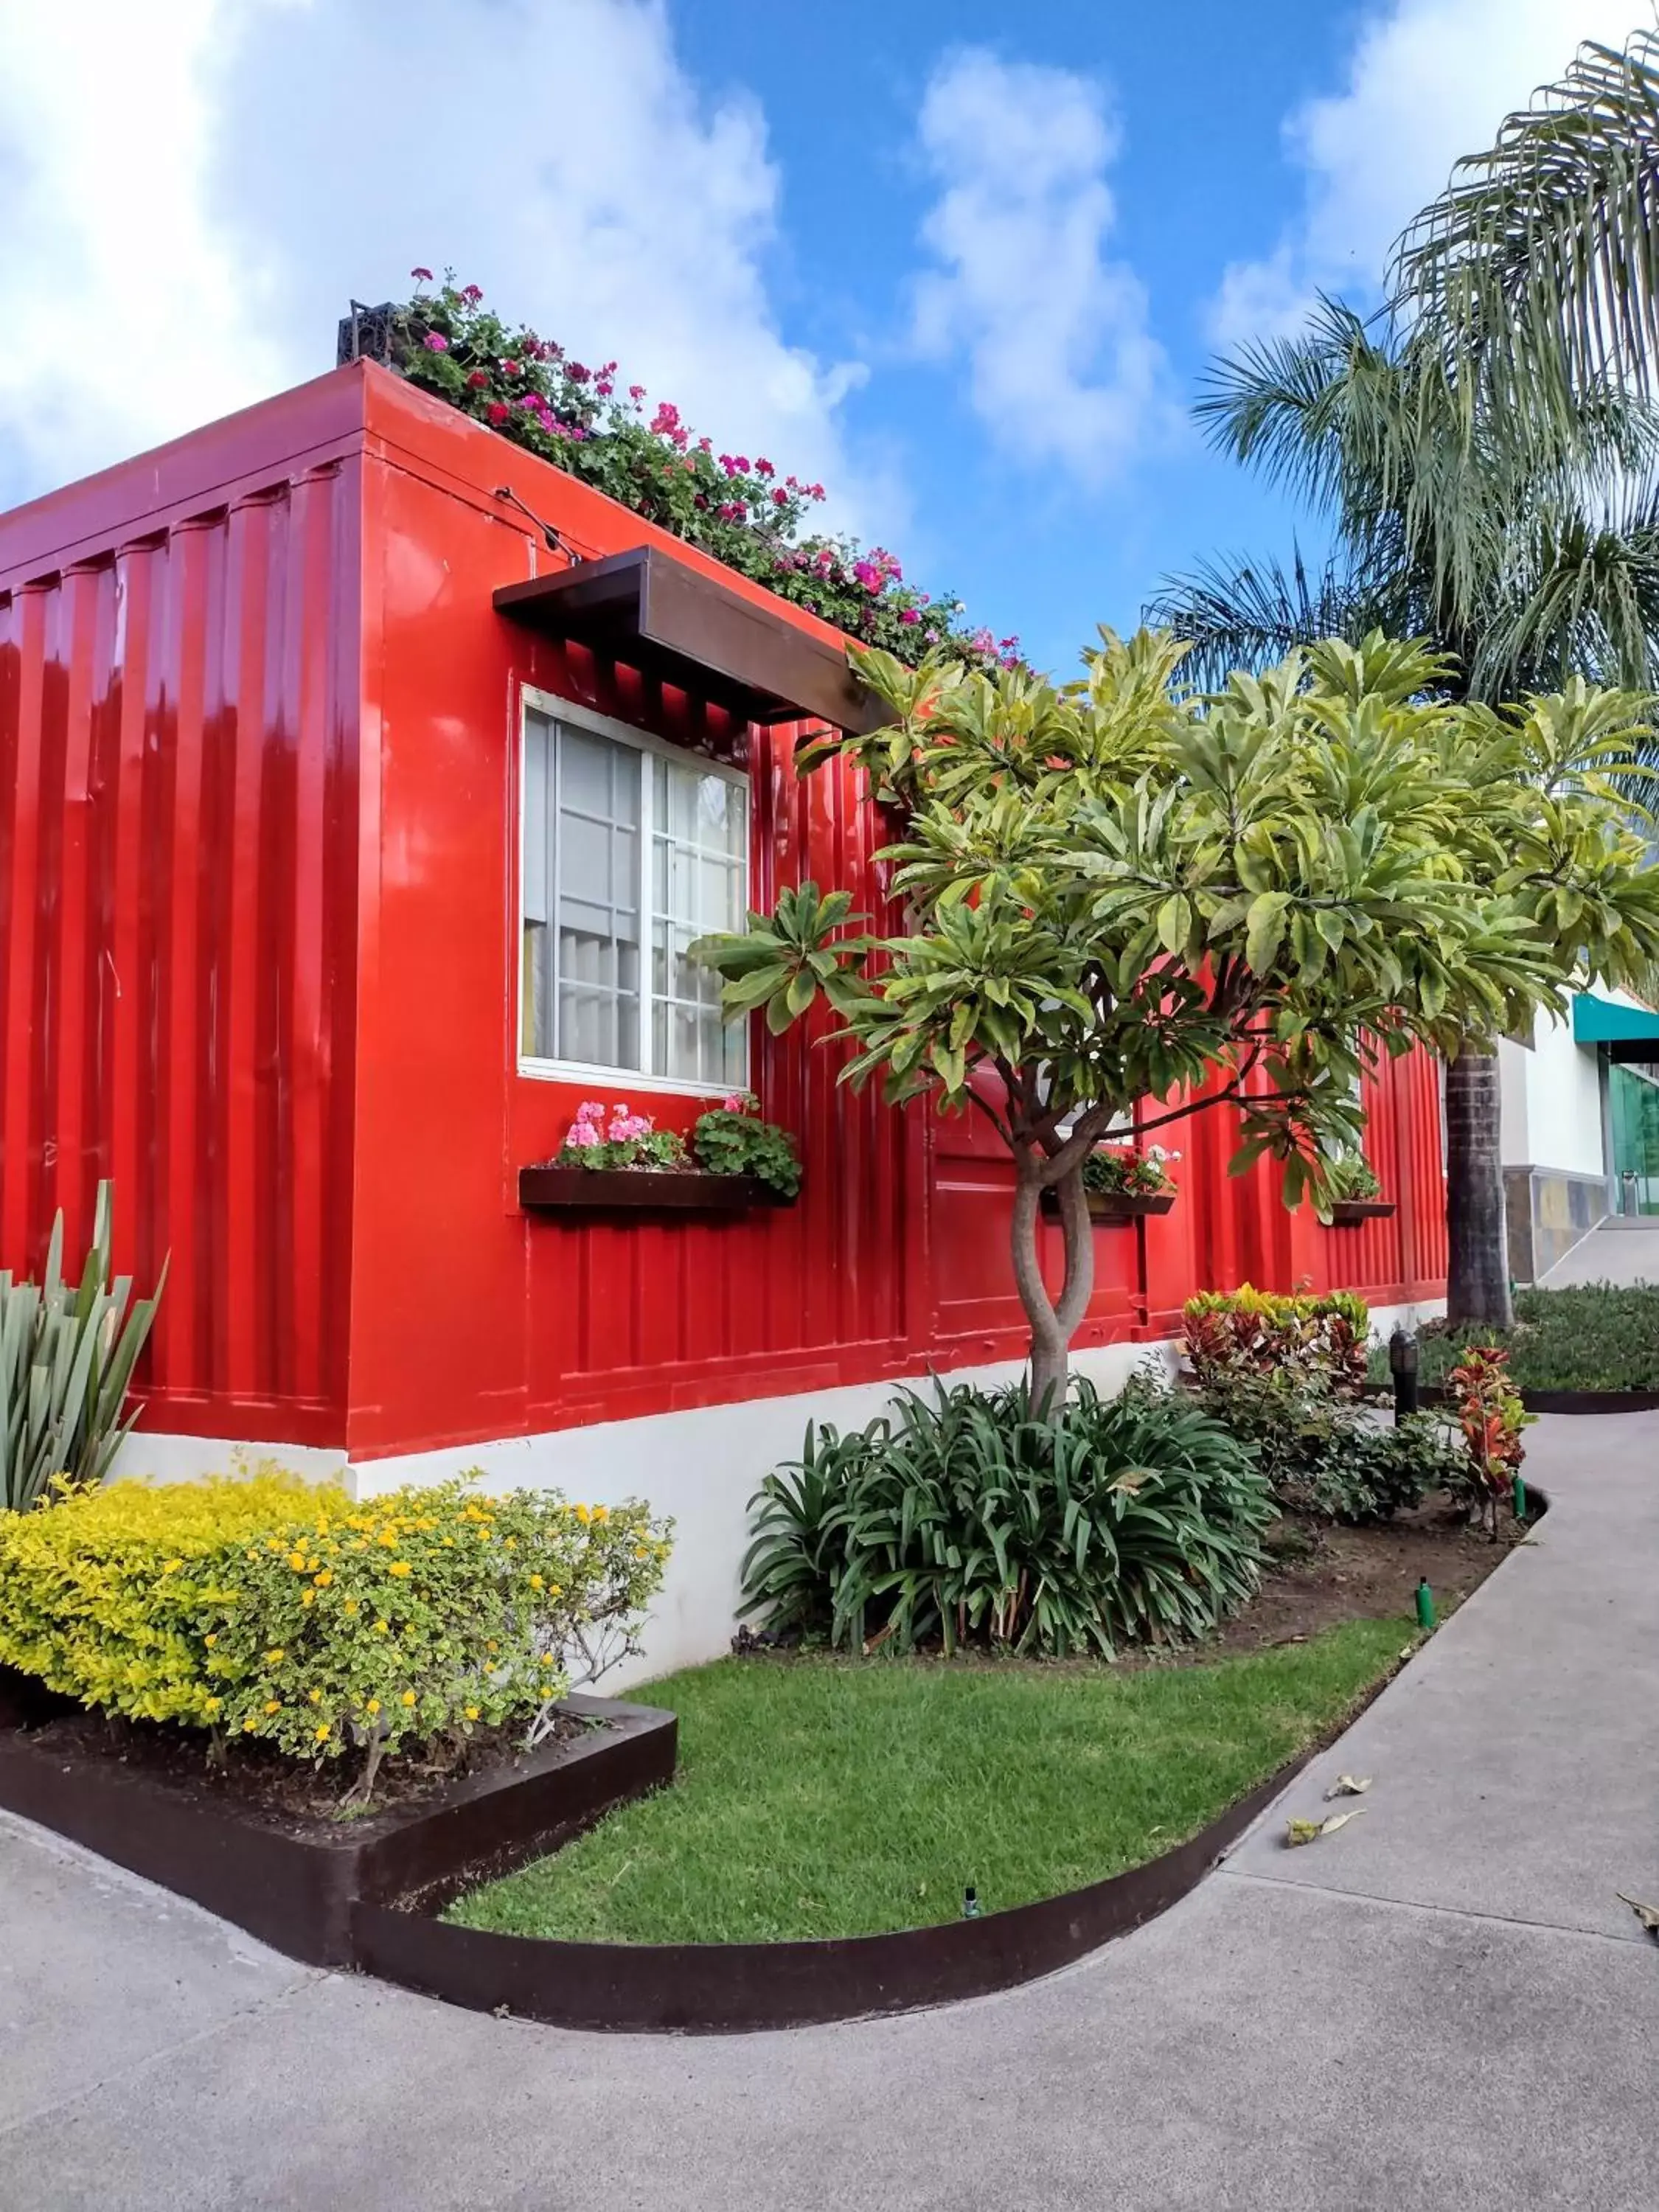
672 623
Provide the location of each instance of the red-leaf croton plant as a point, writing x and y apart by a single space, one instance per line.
737 507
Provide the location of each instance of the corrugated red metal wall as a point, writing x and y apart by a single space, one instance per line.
178 836
258 748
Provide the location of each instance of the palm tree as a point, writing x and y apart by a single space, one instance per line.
1486 449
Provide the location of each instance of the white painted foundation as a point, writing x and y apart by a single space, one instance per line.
164 1456
702 1465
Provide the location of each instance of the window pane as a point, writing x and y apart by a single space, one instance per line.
699 883
535 993
595 872
537 744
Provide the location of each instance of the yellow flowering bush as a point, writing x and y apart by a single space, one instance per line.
279 1611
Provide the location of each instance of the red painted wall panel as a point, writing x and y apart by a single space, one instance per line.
259 751
178 795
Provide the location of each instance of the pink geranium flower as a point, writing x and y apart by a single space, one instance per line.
437 341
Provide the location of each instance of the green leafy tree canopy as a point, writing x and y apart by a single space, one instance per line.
1119 900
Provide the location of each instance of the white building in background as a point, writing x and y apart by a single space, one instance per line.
1580 1126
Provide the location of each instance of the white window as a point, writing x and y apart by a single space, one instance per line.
629 852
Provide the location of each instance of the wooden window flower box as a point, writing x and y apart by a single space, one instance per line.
1115 1204
1350 1213
641 1190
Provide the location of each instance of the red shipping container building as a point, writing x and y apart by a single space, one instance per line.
283 795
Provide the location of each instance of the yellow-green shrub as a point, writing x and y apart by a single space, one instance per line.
277 1610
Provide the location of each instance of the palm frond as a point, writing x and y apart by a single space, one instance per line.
1249 614
1577 593
1537 268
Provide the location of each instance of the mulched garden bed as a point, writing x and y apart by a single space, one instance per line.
1321 1575
257 1781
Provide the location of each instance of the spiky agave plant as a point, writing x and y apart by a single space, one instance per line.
67 1354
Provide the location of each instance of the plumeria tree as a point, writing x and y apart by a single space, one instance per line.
1120 901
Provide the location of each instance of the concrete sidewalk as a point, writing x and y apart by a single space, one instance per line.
1442 2005
1626 1252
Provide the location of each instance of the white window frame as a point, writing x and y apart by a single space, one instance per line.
534 700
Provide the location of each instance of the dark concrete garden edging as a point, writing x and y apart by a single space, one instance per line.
1564 1401
296 1891
712 1989
369 1901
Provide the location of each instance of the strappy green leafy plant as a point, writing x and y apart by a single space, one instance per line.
968 1517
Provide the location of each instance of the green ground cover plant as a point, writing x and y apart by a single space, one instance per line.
820 1797
1595 1336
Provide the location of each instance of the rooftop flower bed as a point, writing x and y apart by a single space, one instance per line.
737 507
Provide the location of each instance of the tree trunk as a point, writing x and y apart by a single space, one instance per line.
1478 1268
1053 1326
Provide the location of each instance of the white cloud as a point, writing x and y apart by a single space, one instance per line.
1429 80
1061 362
206 189
131 319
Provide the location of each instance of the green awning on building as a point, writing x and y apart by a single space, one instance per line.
1599 1021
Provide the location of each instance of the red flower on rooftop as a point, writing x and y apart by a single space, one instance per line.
849 583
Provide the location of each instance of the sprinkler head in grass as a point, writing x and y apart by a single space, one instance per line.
1425 1605
971 1903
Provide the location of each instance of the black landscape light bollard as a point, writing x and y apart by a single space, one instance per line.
1402 1365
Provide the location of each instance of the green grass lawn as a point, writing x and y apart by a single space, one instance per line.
817 1796
1593 1337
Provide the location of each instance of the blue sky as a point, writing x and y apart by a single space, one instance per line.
1201 181
963 263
